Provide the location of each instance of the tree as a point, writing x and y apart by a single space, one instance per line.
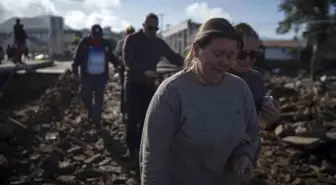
315 15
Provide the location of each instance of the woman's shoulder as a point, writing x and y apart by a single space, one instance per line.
169 84
256 74
236 83
234 79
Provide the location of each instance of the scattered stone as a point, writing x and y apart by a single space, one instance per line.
284 131
93 159
302 141
297 150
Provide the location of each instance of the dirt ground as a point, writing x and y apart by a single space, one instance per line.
50 142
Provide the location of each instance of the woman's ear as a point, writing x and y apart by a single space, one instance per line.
195 49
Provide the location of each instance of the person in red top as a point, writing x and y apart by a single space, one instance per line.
92 56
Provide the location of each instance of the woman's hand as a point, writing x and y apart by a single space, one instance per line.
270 112
244 168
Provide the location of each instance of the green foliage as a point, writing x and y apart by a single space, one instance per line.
313 14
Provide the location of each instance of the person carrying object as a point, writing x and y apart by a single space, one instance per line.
266 106
92 56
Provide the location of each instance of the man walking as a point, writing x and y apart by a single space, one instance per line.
118 52
141 53
93 55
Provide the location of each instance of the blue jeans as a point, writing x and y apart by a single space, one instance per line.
93 88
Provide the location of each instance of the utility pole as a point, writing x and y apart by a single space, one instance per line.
161 22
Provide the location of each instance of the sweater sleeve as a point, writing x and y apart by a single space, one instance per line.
173 57
251 144
157 136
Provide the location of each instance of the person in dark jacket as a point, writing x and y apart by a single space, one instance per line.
118 49
93 55
2 54
20 35
118 52
10 51
141 53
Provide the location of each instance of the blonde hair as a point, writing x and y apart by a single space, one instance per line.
211 29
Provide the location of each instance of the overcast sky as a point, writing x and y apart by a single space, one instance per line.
261 14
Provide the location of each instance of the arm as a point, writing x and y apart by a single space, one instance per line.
262 91
173 57
111 56
128 51
158 134
268 112
250 147
78 56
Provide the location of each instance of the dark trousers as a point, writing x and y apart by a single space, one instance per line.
138 98
93 88
19 49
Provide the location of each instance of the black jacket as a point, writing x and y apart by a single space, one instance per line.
19 33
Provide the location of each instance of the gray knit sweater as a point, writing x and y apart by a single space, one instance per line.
192 131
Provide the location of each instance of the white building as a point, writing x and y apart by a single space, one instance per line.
180 36
282 50
38 29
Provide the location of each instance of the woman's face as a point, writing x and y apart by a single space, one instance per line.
217 57
246 57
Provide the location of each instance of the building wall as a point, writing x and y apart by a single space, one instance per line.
281 54
56 36
180 36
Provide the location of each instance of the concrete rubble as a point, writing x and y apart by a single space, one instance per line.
50 142
300 148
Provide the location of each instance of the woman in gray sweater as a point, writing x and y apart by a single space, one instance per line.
201 126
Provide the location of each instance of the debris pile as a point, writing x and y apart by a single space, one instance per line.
300 148
50 141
